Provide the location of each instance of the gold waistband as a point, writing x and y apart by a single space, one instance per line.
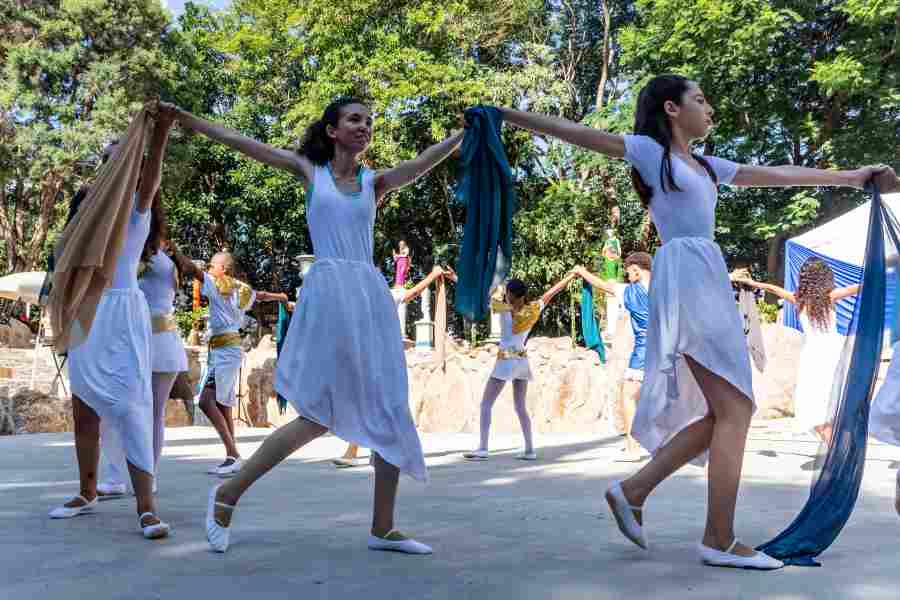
232 338
503 354
161 323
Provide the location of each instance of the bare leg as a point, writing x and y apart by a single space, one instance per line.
277 447
631 391
213 412
142 482
387 479
87 449
491 392
520 395
229 421
162 387
724 432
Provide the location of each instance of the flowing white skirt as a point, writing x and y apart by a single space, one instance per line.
692 312
167 353
110 372
884 416
818 367
343 363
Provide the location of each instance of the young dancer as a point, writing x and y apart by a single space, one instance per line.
229 300
635 297
815 298
351 456
158 279
517 317
343 365
401 264
110 370
697 394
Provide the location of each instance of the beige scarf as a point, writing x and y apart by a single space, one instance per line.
440 324
90 245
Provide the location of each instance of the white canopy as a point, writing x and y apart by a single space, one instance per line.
22 286
844 238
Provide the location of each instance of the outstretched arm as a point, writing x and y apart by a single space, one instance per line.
791 176
279 158
185 265
844 292
552 292
567 131
271 297
410 170
607 287
768 287
422 285
151 173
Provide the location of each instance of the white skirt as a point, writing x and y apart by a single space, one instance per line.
816 375
223 367
110 371
343 363
692 312
167 353
884 416
511 369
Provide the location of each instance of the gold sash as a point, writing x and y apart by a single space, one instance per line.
523 320
504 354
161 323
232 338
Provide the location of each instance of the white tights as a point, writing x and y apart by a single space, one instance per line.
113 469
491 393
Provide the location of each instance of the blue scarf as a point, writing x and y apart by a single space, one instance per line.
835 490
589 329
486 189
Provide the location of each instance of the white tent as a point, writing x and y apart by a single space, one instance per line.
22 286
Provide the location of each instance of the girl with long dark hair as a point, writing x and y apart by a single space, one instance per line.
697 395
343 366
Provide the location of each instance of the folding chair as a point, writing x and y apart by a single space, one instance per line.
45 339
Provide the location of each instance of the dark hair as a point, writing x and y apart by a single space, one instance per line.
814 288
650 119
517 288
316 145
641 260
159 228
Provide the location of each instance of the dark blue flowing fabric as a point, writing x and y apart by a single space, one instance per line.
486 189
281 330
835 490
589 329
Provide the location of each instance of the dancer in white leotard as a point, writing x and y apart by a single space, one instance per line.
697 394
343 365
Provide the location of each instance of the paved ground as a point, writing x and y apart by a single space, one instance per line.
502 529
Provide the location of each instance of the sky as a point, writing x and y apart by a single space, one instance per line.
177 6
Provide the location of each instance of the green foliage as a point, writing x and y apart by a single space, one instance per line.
190 319
768 313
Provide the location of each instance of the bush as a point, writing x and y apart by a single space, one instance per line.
186 319
768 313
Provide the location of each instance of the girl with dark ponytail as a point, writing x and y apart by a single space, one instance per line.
342 366
697 396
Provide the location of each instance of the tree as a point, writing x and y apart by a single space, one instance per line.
71 73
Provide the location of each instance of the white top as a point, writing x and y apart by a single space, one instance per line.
125 277
513 341
340 223
158 284
225 314
690 212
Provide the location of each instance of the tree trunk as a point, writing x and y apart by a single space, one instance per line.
606 56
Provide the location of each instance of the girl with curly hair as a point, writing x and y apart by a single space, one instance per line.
815 298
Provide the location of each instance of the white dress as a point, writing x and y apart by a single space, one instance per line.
691 308
158 285
511 369
884 416
110 371
343 364
819 360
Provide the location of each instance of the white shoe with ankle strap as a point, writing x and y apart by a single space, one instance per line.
216 535
67 512
155 531
717 558
624 514
396 542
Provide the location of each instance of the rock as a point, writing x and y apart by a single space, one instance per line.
16 334
177 414
36 412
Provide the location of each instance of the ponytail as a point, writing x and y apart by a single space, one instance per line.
316 145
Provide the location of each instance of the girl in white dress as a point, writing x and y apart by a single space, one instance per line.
517 318
696 398
159 279
110 370
822 344
343 365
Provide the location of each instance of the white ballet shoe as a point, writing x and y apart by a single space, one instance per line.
395 541
349 463
476 455
66 512
216 535
153 532
717 558
231 469
109 491
624 515
527 456
215 469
